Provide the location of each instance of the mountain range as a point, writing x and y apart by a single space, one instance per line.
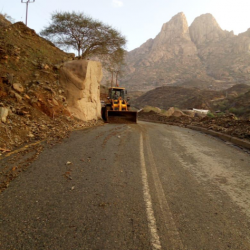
181 53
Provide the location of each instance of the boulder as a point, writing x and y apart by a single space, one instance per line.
190 113
18 97
3 114
170 111
18 87
81 82
178 113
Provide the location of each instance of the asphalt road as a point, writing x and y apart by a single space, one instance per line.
141 186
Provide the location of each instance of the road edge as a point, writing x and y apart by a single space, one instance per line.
234 140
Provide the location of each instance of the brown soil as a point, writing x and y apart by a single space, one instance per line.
37 110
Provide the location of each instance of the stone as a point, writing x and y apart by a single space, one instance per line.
27 97
18 97
55 102
30 135
178 113
81 82
18 87
170 111
58 66
3 114
62 98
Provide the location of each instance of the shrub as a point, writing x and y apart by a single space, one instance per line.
210 114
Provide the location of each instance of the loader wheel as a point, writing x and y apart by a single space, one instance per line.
105 112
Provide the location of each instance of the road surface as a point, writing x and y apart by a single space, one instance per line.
140 186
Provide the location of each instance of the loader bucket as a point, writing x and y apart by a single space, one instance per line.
121 116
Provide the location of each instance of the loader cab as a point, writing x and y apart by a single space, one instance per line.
116 92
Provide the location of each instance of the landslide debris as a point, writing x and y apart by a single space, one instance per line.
227 124
32 100
236 97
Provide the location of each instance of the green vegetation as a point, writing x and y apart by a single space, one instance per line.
219 114
238 111
84 34
210 114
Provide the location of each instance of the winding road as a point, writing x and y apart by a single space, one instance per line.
137 186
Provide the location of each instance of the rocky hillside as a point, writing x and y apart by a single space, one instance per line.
185 98
3 21
37 88
180 53
237 104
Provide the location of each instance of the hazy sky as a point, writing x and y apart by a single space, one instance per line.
138 20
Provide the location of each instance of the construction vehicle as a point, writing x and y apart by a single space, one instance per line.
117 109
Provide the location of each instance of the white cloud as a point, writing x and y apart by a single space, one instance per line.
117 3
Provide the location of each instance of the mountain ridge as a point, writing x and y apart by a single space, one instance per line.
201 51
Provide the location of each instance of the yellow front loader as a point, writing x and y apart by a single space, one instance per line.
117 109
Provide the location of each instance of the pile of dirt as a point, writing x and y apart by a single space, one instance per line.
33 103
228 124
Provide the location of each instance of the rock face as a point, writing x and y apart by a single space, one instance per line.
226 56
205 29
180 53
81 81
170 57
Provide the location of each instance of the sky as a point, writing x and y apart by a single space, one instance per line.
137 20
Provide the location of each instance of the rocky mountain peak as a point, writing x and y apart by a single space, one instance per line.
247 33
206 29
178 24
175 29
179 54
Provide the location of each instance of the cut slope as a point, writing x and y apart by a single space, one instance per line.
33 101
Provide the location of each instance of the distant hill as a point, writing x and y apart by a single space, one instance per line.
237 90
239 105
179 97
185 98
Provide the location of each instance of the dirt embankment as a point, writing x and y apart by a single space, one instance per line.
34 102
227 124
